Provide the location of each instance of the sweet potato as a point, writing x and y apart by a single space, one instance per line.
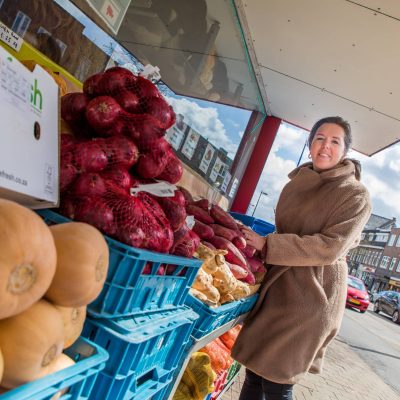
249 278
242 290
256 265
202 203
223 231
237 271
200 214
209 245
249 251
222 217
186 194
204 283
239 242
203 231
233 256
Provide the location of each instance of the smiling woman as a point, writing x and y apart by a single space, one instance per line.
329 142
319 217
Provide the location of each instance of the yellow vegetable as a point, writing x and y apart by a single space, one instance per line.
82 264
27 258
73 319
30 342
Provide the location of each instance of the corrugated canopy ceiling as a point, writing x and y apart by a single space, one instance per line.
317 58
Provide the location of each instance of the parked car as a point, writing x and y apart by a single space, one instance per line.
389 303
375 296
357 295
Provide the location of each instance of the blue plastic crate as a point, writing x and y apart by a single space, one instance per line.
211 318
130 289
79 378
150 387
247 304
144 351
258 225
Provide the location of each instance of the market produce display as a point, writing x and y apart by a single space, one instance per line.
50 274
118 124
206 367
197 380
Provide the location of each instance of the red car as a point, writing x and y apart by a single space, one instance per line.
357 295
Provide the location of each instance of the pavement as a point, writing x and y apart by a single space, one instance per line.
345 376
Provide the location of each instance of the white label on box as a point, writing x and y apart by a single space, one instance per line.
29 149
10 38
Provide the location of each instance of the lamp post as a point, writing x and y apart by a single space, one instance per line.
259 197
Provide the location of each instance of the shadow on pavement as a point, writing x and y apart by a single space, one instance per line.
370 350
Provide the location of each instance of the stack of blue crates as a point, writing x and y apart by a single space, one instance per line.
140 319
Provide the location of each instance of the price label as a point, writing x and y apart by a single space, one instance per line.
160 189
190 221
10 38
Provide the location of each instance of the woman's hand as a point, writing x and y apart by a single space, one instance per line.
253 238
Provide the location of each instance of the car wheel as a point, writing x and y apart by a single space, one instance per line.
376 307
362 311
395 317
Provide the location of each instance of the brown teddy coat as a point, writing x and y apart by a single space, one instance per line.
319 217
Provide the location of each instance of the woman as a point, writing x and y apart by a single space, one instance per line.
319 217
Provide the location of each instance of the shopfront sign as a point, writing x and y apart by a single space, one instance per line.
234 187
207 157
216 169
190 144
225 183
176 134
112 12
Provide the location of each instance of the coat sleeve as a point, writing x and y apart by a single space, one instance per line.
341 231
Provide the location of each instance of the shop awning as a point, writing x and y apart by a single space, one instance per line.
295 60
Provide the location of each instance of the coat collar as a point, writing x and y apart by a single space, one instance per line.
345 169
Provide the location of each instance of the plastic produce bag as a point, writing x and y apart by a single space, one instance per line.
197 380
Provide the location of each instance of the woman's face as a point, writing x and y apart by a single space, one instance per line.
327 148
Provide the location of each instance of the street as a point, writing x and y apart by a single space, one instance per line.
376 339
362 363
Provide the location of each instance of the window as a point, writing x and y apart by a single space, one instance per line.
382 237
391 240
392 263
384 262
371 237
21 24
398 241
362 236
398 267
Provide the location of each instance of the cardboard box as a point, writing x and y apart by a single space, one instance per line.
29 139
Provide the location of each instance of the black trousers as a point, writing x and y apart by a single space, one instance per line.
257 388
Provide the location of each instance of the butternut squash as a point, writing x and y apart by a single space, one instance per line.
73 318
27 258
82 264
30 341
